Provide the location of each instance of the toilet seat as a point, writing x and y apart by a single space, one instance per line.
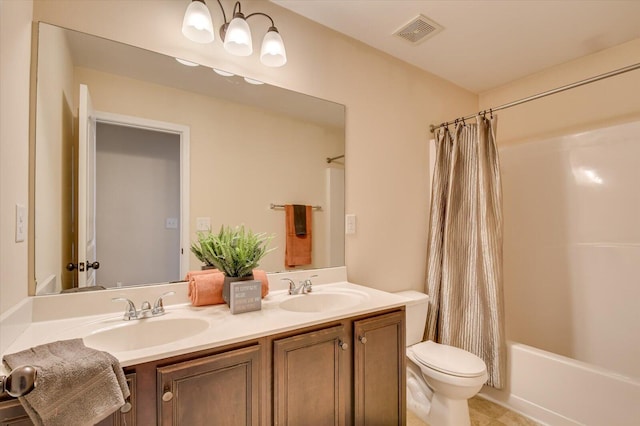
448 359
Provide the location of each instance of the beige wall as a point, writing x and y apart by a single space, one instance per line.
242 158
610 101
389 108
15 45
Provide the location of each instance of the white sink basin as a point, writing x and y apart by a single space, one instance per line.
144 333
322 301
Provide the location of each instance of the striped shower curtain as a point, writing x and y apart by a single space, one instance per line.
464 262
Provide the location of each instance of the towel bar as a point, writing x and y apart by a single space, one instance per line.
281 206
19 382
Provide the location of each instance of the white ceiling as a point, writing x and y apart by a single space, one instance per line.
485 43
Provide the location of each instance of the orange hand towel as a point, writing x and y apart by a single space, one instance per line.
206 289
192 274
298 247
260 275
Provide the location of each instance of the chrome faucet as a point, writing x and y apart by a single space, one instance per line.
158 307
145 309
306 286
130 312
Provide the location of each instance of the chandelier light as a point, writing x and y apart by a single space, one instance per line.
236 34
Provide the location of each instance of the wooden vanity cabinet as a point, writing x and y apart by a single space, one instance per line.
348 373
344 372
12 413
311 379
126 416
222 389
379 370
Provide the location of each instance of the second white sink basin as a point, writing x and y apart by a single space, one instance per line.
322 301
144 333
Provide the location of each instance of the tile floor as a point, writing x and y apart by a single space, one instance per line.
484 413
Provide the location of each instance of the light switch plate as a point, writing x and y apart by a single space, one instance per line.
21 223
172 223
350 224
203 223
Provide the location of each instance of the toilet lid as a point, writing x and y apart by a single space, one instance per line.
449 359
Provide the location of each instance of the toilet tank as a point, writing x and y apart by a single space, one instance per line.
416 313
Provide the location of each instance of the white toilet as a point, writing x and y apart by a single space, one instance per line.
440 378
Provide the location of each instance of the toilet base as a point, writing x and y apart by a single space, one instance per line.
435 409
448 412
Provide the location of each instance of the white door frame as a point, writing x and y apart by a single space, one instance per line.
184 133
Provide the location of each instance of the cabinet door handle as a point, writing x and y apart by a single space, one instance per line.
167 396
343 345
125 408
363 339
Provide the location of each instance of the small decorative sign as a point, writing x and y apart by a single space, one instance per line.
245 296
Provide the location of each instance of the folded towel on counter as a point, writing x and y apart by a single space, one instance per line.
260 275
76 385
192 274
298 247
206 288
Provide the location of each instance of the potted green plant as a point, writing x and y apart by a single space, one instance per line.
234 251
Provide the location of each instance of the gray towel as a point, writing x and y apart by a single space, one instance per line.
76 385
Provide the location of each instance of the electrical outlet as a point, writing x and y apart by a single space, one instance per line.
21 223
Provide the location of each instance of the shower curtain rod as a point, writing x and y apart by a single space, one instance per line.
613 73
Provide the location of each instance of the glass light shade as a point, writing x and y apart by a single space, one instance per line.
197 25
223 72
237 40
187 63
273 53
253 81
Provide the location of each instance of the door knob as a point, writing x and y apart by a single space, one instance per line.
94 265
126 407
167 396
363 339
343 345
79 266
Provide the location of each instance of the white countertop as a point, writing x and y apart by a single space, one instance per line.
222 328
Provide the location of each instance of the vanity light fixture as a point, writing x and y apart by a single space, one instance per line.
197 25
235 34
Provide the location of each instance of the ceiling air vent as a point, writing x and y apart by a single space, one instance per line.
418 30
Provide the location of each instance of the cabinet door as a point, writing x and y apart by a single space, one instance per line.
12 414
379 370
125 416
221 389
311 381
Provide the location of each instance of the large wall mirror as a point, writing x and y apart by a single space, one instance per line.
135 151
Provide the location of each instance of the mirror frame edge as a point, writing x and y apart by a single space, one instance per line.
31 226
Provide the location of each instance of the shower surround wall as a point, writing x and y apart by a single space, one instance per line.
571 265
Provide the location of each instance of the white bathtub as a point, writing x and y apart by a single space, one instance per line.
556 390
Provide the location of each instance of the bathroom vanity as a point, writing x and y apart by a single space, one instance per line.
301 363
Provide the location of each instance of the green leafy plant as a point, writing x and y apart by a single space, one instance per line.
234 251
